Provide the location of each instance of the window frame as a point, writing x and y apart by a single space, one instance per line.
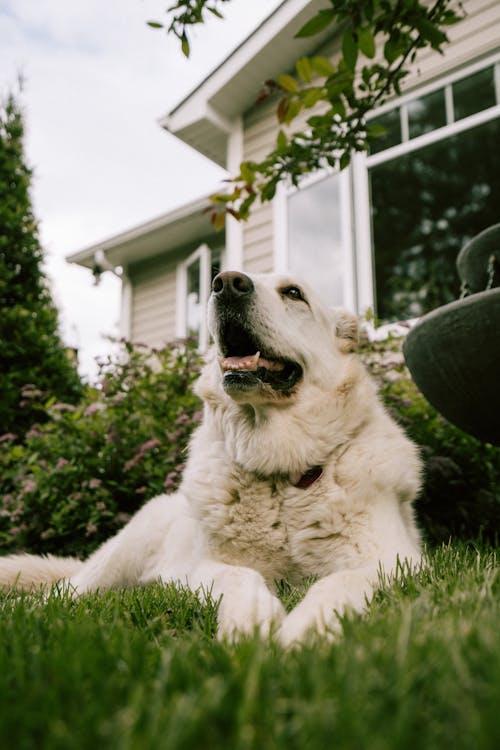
203 253
362 163
346 229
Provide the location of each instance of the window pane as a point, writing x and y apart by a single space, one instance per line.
193 302
391 121
425 207
314 238
427 113
474 93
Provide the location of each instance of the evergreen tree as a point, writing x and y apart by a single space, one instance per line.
31 351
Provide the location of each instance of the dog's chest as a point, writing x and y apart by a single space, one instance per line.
272 526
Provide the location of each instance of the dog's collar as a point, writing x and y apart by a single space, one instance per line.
306 480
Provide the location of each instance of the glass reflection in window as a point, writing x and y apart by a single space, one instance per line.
314 238
474 93
426 113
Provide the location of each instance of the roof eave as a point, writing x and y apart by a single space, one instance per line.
166 233
203 119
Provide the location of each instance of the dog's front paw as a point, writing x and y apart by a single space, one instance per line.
304 623
248 613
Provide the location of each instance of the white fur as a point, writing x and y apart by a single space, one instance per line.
239 523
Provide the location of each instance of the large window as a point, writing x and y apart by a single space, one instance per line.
427 201
194 278
318 241
431 183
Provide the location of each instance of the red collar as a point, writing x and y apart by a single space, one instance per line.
307 479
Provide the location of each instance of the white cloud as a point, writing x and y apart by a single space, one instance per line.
96 81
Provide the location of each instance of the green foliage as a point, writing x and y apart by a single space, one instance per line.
140 669
32 356
358 82
187 13
79 476
461 493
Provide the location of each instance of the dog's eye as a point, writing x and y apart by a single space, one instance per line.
293 292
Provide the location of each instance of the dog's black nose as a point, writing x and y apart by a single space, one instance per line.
232 284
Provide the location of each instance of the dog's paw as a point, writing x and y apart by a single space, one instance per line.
246 614
305 623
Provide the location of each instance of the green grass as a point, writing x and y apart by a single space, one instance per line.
142 670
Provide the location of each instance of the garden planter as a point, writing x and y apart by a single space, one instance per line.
453 354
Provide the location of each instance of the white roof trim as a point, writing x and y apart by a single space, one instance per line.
170 231
233 86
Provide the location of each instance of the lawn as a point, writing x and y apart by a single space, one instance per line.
141 669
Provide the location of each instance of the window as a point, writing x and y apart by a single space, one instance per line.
431 194
318 243
194 279
425 206
430 183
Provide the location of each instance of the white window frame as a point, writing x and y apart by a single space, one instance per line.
203 254
362 162
280 221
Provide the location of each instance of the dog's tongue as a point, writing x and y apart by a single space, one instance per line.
250 363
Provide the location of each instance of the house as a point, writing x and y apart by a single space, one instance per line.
383 234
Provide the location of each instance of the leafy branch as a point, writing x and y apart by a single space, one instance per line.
379 41
187 13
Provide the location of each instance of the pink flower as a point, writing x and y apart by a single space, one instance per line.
91 529
61 462
96 406
7 436
94 484
62 407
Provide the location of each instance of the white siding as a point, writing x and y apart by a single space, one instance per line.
153 301
476 36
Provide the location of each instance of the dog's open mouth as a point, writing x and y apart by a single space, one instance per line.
246 363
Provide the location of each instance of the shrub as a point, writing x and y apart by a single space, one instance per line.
80 475
461 490
32 355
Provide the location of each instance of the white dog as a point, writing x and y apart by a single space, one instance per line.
296 471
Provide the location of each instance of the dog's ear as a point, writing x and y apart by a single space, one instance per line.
347 330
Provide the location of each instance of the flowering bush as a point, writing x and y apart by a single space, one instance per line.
80 475
461 491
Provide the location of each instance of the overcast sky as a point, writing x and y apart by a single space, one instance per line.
96 80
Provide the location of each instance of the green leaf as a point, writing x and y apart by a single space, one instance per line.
288 83
215 12
154 24
392 50
349 49
322 65
312 96
282 141
375 130
219 221
185 45
366 42
316 24
430 32
344 160
338 108
304 69
247 172
293 110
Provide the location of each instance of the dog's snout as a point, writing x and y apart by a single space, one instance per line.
232 285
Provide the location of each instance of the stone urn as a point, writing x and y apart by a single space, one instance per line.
453 352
